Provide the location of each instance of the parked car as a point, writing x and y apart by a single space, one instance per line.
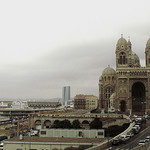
3 138
135 130
142 142
116 141
147 138
111 110
130 134
1 145
146 116
124 138
138 126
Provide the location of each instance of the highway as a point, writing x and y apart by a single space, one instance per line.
133 142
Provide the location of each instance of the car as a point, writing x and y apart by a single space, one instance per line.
3 138
130 134
135 130
124 138
116 141
134 116
146 116
142 142
1 145
111 110
138 126
147 138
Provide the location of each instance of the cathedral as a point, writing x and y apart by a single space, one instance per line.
126 89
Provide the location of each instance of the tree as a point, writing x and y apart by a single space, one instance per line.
56 124
76 124
66 124
96 124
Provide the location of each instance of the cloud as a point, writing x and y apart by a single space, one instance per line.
47 45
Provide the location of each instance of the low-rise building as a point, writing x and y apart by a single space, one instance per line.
72 133
46 143
85 102
79 102
42 104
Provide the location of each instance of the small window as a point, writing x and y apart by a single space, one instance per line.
43 132
100 133
80 133
112 78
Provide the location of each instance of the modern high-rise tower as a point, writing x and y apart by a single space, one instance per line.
65 95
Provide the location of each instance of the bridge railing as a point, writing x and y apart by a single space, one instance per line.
103 145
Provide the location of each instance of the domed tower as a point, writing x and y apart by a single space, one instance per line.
123 48
107 83
147 53
134 60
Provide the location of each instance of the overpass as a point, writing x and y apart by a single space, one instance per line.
39 121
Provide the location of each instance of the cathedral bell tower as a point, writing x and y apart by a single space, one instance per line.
147 53
123 49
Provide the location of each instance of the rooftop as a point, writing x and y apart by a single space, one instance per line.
54 140
82 95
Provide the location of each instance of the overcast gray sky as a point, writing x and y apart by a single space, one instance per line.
45 45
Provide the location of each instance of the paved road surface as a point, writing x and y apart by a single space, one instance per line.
133 142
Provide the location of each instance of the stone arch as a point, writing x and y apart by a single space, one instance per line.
108 91
85 122
138 97
122 58
47 124
38 124
123 106
113 78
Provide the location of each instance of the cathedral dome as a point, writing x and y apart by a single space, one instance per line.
134 60
122 41
136 57
148 42
108 71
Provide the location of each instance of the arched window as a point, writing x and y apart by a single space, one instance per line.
112 78
108 92
122 58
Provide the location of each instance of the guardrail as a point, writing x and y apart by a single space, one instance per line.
102 145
